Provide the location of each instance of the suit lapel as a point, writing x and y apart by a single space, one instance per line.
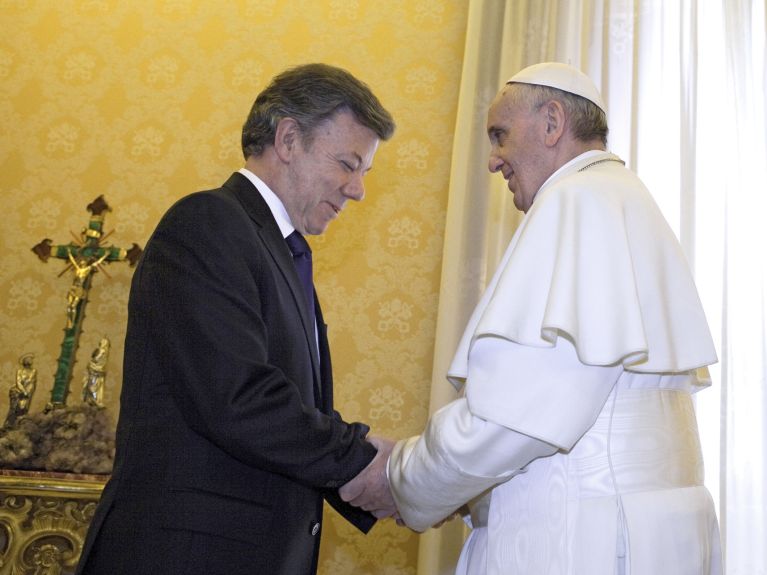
270 234
326 370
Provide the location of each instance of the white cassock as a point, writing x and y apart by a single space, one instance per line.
575 440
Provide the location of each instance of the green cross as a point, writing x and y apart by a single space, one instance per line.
85 257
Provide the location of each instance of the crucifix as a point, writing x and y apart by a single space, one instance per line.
85 256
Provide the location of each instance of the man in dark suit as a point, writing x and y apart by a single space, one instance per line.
227 442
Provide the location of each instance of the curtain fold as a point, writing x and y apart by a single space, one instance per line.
684 85
744 349
464 258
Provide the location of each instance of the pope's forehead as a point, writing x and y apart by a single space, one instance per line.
502 94
503 102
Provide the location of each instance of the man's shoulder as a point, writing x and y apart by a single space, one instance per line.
228 197
204 210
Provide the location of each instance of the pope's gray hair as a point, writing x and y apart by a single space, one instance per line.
587 120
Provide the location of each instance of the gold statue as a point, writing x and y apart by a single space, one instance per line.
95 377
83 270
20 394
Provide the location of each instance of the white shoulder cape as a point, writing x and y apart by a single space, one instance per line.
595 261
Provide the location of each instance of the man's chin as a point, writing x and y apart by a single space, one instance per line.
316 230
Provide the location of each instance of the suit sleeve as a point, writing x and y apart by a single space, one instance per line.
203 289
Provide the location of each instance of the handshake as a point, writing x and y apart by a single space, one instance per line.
370 489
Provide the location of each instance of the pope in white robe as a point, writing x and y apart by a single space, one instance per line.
575 442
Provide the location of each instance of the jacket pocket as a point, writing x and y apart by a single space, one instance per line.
208 512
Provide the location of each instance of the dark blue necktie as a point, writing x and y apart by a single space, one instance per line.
302 258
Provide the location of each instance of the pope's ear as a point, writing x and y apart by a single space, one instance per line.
286 137
555 121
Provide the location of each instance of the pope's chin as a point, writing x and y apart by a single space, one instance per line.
519 204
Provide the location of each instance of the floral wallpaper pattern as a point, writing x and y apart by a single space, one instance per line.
143 102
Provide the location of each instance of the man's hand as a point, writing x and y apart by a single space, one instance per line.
370 489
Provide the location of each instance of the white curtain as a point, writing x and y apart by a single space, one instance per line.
684 82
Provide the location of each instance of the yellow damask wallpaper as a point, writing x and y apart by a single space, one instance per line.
143 102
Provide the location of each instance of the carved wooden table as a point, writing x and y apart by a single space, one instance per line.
44 517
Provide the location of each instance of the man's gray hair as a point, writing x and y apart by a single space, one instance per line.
587 120
311 94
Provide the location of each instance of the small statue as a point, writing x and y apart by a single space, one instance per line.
77 290
93 382
20 394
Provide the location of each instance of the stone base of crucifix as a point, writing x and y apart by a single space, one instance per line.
73 439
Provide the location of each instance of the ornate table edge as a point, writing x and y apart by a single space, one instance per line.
71 484
44 517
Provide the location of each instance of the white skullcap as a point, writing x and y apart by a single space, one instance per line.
562 77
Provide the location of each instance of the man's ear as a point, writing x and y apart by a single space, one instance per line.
554 115
286 138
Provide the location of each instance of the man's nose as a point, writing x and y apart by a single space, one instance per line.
355 189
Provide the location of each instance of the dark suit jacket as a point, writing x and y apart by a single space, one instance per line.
226 426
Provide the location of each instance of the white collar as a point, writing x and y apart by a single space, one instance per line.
275 204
